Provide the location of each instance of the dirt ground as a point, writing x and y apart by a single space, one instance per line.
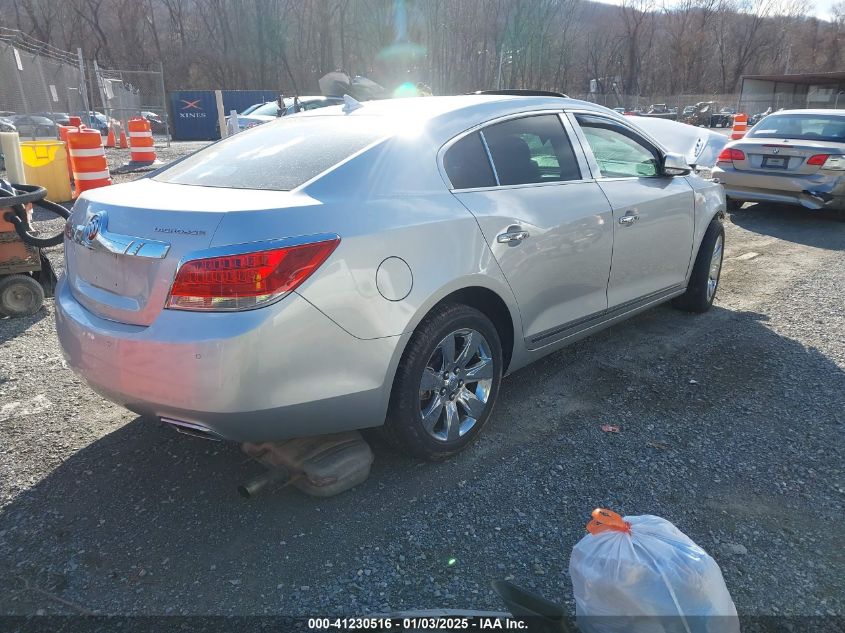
731 426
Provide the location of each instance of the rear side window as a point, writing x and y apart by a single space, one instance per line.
467 165
532 149
280 155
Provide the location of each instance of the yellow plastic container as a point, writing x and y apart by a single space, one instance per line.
45 164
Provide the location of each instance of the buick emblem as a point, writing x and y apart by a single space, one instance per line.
92 229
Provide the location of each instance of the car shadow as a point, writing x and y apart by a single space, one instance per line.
11 327
794 224
144 520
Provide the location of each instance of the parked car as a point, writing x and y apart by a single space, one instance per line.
59 118
699 146
701 114
34 126
99 121
156 124
336 270
723 118
791 156
754 119
269 111
251 108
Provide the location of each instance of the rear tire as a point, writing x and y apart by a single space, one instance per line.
20 295
436 408
704 280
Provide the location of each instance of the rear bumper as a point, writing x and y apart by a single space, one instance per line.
817 191
282 371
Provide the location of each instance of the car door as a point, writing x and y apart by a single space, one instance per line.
546 220
653 214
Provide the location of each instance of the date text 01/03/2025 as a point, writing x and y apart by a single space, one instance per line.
418 623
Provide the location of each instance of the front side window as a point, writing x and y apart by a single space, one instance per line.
618 151
533 149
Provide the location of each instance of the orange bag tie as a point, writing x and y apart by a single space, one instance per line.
604 520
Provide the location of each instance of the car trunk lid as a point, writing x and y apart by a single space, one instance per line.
779 156
126 241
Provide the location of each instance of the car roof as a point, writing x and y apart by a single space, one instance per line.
446 116
814 111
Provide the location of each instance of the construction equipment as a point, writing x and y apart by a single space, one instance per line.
26 276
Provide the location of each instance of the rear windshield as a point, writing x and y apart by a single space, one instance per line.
810 127
280 155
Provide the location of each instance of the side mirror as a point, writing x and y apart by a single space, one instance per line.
675 165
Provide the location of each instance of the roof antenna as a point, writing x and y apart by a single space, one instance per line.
350 104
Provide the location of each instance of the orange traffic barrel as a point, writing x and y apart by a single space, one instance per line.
141 142
88 160
75 121
63 132
740 125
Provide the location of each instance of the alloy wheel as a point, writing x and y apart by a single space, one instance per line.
456 384
715 268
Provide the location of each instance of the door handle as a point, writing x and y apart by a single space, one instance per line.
628 220
511 236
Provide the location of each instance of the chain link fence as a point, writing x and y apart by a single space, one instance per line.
39 85
671 102
124 94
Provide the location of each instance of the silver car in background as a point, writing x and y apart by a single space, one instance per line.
378 264
792 157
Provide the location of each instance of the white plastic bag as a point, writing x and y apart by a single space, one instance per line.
641 574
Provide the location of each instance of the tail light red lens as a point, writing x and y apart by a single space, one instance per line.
818 159
248 280
731 153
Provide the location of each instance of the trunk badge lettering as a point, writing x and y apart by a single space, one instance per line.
94 235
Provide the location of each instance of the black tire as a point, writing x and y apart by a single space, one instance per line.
733 205
698 297
20 295
404 427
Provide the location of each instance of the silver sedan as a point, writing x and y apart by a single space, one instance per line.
375 264
792 156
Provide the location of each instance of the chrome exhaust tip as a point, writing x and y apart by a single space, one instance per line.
192 428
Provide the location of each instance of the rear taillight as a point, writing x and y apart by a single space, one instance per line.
827 161
731 153
247 280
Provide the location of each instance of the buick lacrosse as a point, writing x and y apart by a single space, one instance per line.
378 264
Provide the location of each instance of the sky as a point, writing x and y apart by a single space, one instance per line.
820 8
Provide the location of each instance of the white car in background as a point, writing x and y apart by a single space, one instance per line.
701 147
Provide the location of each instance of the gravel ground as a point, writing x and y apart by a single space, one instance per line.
731 427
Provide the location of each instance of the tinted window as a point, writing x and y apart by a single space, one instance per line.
530 150
619 152
816 127
280 155
467 165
